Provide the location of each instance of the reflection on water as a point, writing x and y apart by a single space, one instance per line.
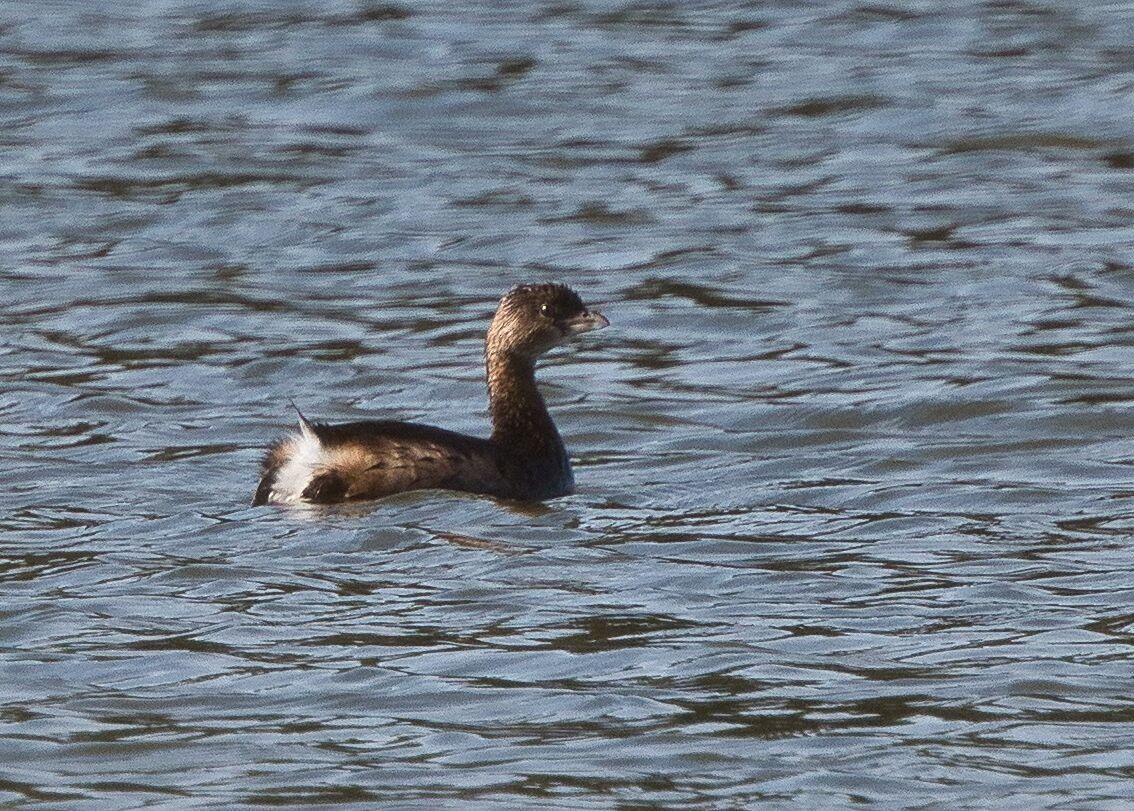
854 462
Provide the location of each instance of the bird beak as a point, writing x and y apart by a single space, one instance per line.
587 322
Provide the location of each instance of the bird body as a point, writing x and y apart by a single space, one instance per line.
524 458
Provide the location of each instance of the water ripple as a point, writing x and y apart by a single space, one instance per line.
853 461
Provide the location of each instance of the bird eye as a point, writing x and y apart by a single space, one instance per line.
545 310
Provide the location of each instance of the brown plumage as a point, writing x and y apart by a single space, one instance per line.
523 459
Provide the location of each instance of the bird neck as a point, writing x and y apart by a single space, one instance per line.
520 422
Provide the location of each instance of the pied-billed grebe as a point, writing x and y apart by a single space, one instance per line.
524 458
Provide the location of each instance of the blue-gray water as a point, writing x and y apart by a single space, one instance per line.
855 461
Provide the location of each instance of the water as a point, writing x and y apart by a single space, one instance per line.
855 460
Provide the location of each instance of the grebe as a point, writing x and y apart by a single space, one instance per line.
523 459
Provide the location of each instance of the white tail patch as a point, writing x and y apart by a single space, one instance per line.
304 455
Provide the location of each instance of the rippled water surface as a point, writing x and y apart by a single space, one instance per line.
855 461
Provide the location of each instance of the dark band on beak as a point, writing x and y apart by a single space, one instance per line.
588 321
